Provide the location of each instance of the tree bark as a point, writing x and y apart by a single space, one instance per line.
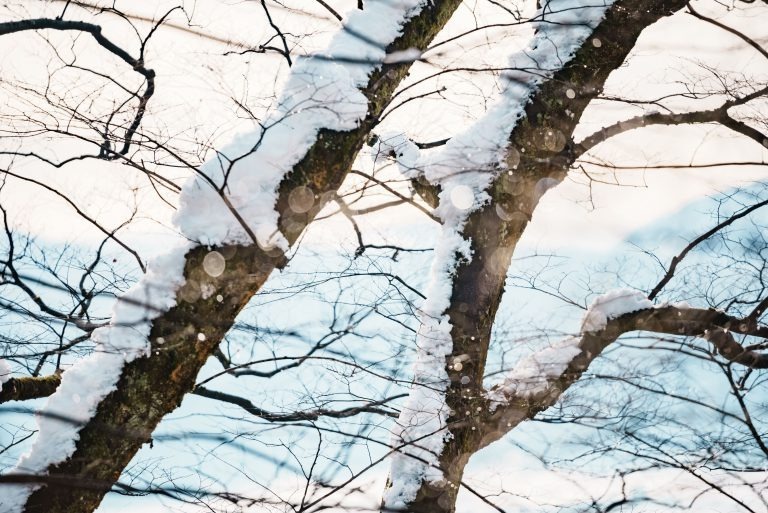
23 389
478 285
149 388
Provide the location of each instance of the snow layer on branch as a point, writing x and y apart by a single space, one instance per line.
611 305
322 92
534 373
464 168
84 385
5 373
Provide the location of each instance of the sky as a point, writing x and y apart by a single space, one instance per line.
109 191
585 221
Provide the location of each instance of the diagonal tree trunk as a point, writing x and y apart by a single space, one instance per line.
478 285
149 388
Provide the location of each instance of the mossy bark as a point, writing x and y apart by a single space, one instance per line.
543 141
22 389
149 388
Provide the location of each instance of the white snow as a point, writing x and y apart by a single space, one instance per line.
534 373
464 168
90 380
5 372
322 91
611 305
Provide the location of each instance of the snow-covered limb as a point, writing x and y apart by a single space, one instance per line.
463 170
539 380
611 305
540 150
322 92
184 332
534 374
541 377
89 381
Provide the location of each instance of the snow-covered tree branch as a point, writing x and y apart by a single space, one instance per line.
134 380
486 201
395 255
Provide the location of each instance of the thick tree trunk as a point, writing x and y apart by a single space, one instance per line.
149 388
495 230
